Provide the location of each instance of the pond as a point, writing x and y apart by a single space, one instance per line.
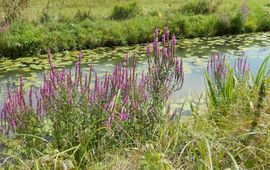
195 53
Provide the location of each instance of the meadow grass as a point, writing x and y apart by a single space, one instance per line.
82 24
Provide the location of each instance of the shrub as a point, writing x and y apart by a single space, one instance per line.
223 24
125 11
250 25
178 25
237 23
198 7
82 15
264 22
200 25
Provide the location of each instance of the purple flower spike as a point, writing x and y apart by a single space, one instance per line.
13 123
107 124
123 116
163 39
156 45
173 41
156 33
164 54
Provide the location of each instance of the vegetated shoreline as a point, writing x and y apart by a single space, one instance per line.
26 39
125 124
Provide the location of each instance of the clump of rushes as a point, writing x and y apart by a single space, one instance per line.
165 69
222 79
224 83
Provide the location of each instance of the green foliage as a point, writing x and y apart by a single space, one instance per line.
232 88
152 160
125 11
250 25
82 15
261 75
264 22
237 24
231 24
60 32
198 7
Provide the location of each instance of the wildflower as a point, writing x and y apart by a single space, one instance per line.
123 116
163 39
241 67
13 123
107 124
173 41
156 45
164 54
156 33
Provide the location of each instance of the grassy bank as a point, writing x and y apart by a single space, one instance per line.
121 121
61 25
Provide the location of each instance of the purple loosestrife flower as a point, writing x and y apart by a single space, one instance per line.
107 124
217 68
179 73
13 123
164 54
163 38
241 67
21 95
38 111
123 116
156 46
173 41
156 33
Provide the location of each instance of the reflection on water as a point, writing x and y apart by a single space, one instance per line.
195 52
